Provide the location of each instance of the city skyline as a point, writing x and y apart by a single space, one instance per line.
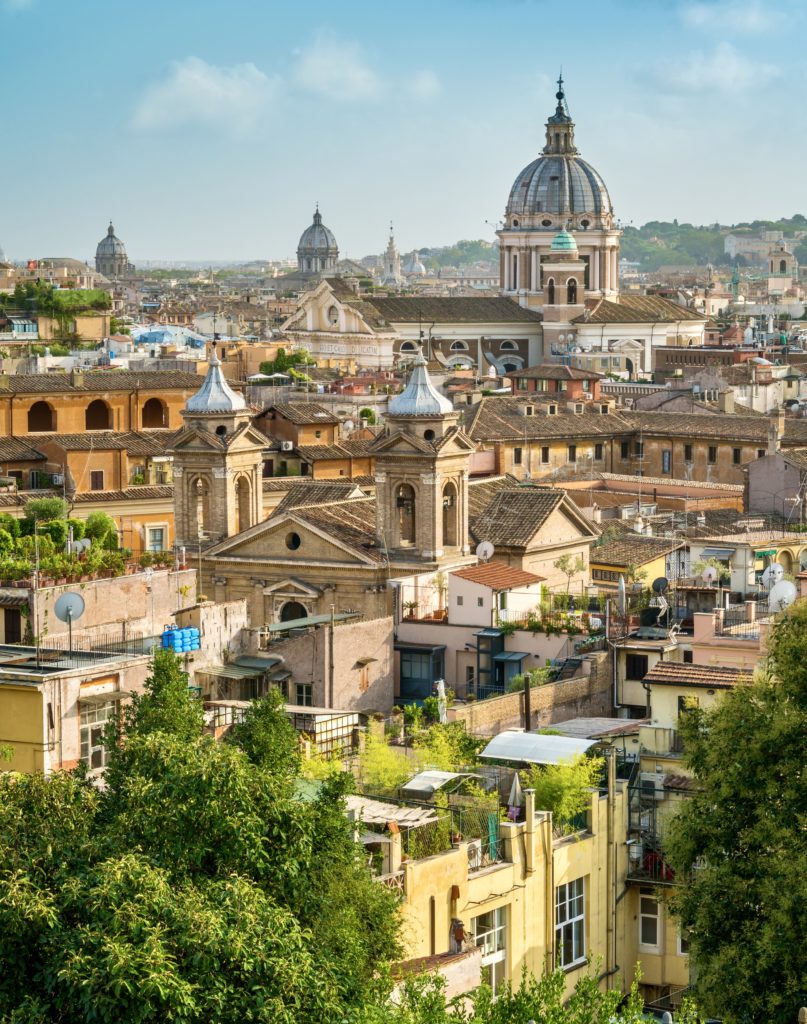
214 137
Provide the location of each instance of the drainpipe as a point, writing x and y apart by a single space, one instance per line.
529 830
610 935
330 658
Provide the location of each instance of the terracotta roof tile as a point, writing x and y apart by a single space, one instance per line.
497 576
513 516
99 381
674 673
304 413
638 309
464 309
632 551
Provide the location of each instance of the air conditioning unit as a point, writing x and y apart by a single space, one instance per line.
286 446
652 785
588 395
475 855
58 480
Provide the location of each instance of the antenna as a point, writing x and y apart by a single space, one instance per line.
484 551
69 608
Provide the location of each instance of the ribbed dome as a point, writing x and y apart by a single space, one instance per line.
110 244
318 238
559 185
419 397
563 242
215 395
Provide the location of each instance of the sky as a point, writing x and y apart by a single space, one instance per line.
209 131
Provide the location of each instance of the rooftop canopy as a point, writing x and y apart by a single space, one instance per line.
534 748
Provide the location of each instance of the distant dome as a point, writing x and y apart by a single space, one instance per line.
563 242
215 394
317 237
110 244
419 397
414 264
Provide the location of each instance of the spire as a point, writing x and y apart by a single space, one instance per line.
419 397
560 127
110 230
561 114
215 395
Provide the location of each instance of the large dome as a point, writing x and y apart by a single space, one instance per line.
317 238
110 244
559 185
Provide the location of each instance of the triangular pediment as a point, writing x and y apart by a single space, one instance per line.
288 539
293 588
404 443
196 439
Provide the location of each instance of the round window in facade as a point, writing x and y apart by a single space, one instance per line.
293 541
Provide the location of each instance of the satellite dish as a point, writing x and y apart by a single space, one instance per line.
484 551
660 585
782 594
709 574
595 623
69 607
84 544
774 574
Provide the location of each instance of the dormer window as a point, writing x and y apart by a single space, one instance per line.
529 410
553 410
333 316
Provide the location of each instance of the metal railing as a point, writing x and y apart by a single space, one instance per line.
394 881
484 853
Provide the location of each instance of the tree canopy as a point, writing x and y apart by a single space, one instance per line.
738 844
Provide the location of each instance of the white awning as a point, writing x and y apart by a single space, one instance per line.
534 748
106 698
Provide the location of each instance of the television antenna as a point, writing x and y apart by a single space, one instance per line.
484 551
69 608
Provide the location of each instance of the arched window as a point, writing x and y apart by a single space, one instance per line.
408 346
508 346
41 417
98 416
450 513
459 346
405 505
571 291
550 292
782 267
292 610
243 504
155 414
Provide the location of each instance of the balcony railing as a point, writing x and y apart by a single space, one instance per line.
484 853
394 881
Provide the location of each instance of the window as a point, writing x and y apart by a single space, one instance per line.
571 453
688 657
522 383
624 450
469 676
683 943
598 453
156 538
545 455
570 924
97 480
516 456
761 453
480 602
635 666
638 449
736 456
687 453
305 694
666 460
318 434
712 454
489 931
460 599
649 933
93 719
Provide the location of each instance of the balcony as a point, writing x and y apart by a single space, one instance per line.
742 622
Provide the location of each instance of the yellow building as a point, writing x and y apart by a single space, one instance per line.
646 557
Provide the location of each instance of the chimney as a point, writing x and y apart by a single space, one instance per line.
776 429
5 382
725 402
76 378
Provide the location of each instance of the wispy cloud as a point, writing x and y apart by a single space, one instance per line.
731 17
195 93
723 69
424 85
337 69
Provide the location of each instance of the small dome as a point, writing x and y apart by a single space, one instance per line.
110 244
563 242
215 394
317 237
419 397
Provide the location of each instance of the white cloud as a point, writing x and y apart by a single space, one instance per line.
424 85
195 93
731 17
724 69
336 69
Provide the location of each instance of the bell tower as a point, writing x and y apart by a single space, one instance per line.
218 459
421 464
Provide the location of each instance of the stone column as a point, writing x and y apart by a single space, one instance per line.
524 268
533 275
615 270
595 270
506 275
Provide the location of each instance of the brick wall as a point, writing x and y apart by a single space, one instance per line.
589 695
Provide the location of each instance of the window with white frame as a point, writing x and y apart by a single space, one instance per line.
683 943
490 932
93 720
305 694
156 538
570 923
649 919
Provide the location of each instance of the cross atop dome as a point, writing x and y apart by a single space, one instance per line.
561 115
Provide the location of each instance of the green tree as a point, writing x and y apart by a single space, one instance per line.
368 415
42 510
738 844
267 736
570 565
101 529
564 789
382 768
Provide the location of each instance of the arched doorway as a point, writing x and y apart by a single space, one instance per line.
450 514
155 414
292 610
785 559
41 417
243 504
405 505
98 416
571 292
782 267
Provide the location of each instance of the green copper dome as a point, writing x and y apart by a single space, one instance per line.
563 242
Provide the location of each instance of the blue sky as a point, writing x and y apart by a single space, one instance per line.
208 130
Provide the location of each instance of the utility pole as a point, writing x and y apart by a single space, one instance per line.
527 702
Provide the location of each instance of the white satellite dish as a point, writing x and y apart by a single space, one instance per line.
484 551
595 623
782 595
774 574
709 574
68 608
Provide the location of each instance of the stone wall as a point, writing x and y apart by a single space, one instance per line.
588 695
223 631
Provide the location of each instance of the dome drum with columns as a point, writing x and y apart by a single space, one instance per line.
110 256
317 252
559 191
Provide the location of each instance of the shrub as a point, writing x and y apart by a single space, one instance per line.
42 510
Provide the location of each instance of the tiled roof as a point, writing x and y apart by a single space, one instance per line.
497 576
552 371
638 309
796 457
343 450
12 449
515 515
453 309
318 493
713 677
498 418
482 492
690 484
304 413
142 493
720 427
101 381
632 551
352 522
152 442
